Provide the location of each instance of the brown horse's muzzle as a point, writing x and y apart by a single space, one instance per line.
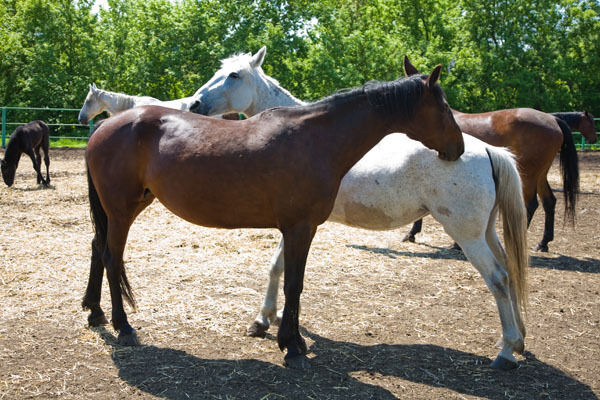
454 154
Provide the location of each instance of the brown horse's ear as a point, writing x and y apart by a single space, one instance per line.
434 76
409 69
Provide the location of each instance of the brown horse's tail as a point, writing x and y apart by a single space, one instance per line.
514 219
100 224
569 166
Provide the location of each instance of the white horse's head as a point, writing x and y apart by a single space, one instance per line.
92 105
233 87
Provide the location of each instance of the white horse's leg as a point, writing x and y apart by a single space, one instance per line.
268 311
497 280
493 242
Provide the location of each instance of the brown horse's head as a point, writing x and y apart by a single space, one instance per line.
587 127
8 172
436 124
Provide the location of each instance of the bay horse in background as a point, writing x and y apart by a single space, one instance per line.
534 137
279 169
400 180
581 121
28 139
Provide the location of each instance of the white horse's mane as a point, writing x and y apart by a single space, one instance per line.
119 100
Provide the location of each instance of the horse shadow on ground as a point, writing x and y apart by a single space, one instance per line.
562 262
340 370
33 188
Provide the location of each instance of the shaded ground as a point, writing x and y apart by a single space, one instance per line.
383 319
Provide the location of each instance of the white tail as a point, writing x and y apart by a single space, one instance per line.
514 219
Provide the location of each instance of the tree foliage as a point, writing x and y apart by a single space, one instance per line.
495 53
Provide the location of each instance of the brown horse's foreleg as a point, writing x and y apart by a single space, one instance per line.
36 166
297 241
117 280
91 300
416 228
549 204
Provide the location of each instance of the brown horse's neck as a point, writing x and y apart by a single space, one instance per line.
350 129
13 149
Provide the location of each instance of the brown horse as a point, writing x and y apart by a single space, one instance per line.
534 137
279 169
581 121
28 139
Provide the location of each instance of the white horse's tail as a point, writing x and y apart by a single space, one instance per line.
509 197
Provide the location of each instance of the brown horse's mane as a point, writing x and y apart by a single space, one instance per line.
13 147
395 97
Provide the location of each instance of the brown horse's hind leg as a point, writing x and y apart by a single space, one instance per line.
45 148
93 292
549 204
416 228
117 280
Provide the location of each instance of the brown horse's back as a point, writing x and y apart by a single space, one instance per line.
205 172
533 136
516 128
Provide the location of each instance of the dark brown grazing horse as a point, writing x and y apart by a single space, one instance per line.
581 121
27 139
534 137
279 169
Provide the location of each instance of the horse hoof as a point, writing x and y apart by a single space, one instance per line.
542 247
503 364
297 362
408 238
97 320
128 339
455 246
257 330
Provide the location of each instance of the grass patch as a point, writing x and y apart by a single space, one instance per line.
63 142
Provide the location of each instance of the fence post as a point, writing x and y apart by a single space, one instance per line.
91 124
3 127
582 143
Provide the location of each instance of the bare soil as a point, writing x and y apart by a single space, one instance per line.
383 319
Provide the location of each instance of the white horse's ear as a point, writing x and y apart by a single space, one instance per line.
258 58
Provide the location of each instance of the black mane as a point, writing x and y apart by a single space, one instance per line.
394 97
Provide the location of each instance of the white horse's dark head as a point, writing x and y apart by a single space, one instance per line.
233 87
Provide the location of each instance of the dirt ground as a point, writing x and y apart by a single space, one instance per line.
383 319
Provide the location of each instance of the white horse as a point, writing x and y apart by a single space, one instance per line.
98 100
399 181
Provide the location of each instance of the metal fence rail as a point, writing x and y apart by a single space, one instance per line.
578 137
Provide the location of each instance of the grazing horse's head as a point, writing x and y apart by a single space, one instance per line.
434 116
233 87
8 172
587 127
92 105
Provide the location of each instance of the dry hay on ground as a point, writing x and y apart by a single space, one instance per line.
383 319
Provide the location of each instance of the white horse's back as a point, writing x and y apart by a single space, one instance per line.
400 181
